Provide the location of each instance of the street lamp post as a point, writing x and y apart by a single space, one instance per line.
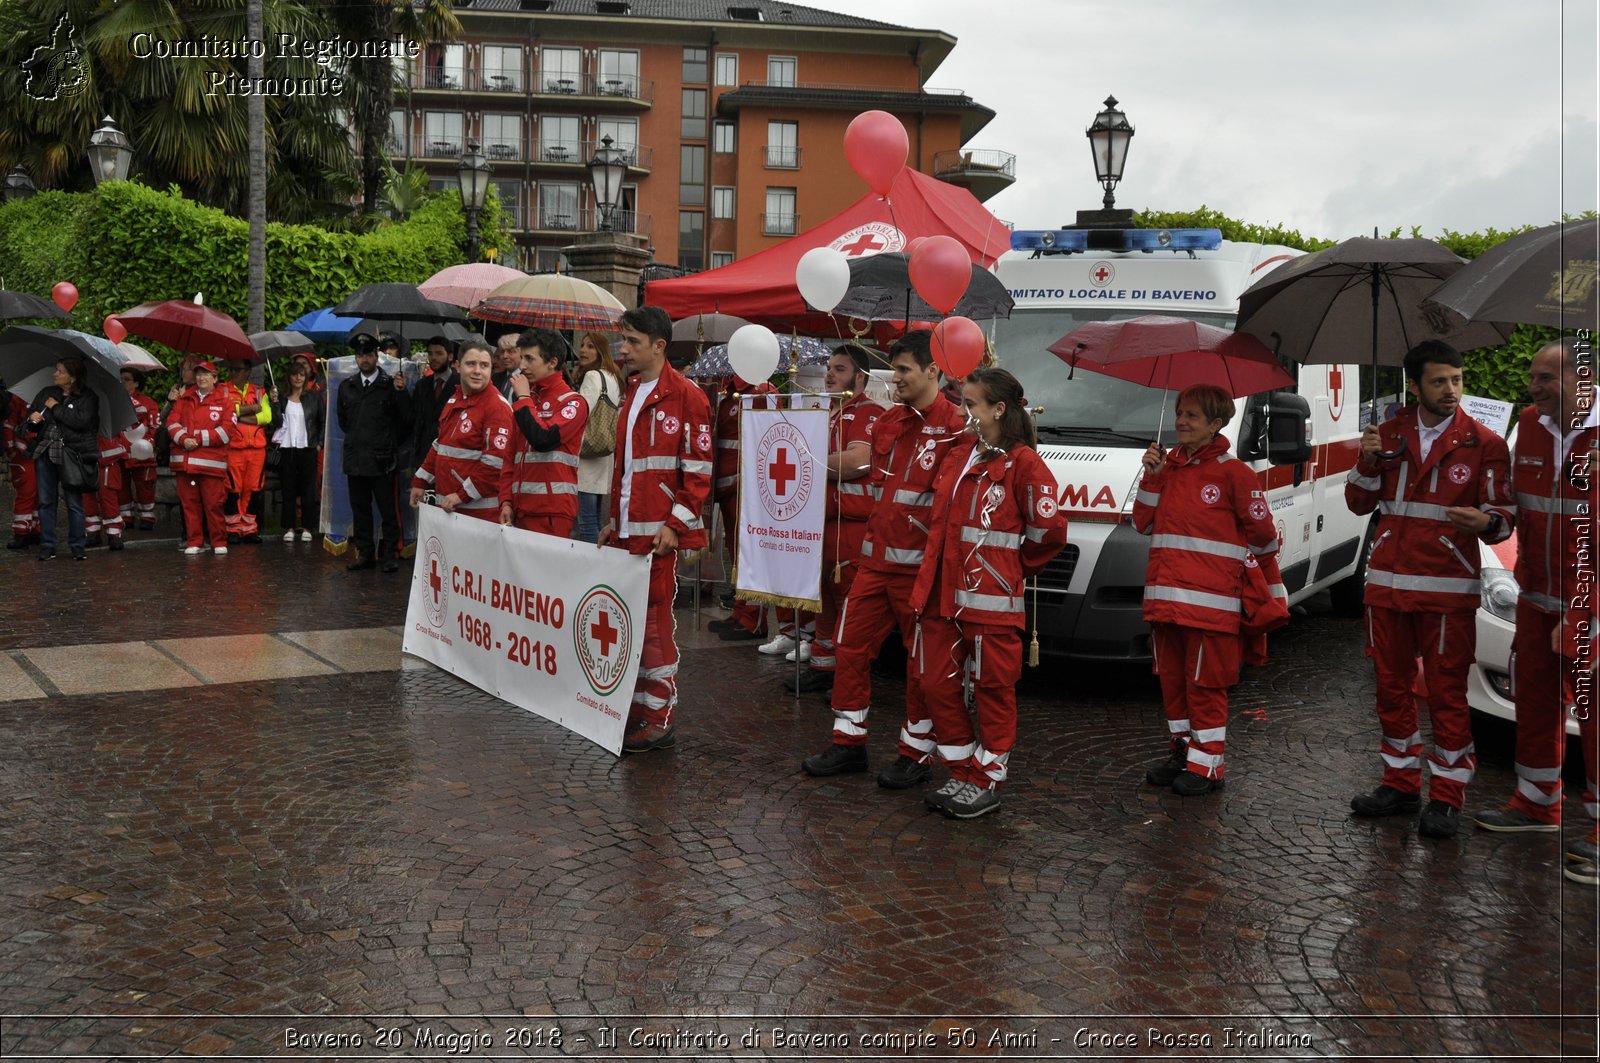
18 186
1108 140
109 152
606 171
473 175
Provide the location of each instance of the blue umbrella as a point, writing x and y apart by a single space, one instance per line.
714 362
323 326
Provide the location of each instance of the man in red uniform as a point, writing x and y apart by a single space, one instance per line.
138 498
468 464
19 463
850 425
1446 487
1554 468
659 485
542 494
748 620
201 425
247 452
908 442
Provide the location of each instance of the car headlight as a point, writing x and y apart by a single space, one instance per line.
1500 592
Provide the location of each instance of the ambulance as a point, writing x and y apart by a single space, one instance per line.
1301 441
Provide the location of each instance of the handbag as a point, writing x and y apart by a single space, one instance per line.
600 434
274 456
77 472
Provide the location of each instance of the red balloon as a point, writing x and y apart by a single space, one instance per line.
915 243
114 329
922 326
957 344
65 294
940 271
876 146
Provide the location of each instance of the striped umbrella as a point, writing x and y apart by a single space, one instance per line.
551 300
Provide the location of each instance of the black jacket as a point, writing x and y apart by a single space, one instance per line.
78 417
315 408
374 421
425 412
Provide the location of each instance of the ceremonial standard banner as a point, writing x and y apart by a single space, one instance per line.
551 625
783 499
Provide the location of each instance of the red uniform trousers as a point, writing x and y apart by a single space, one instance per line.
1196 668
1541 684
655 692
745 614
841 550
878 603
25 514
247 467
138 498
995 653
560 527
1446 642
202 498
102 508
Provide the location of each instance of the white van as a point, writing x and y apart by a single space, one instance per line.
1094 428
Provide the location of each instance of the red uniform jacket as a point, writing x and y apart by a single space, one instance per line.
729 407
667 461
1555 509
997 523
545 483
1420 562
13 434
850 424
472 453
209 420
907 447
1205 514
149 415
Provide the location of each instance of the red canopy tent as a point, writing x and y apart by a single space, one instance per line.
761 288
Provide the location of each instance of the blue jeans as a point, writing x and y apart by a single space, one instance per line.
49 484
589 516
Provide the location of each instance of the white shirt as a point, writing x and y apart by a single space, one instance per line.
1569 438
367 381
293 433
639 398
1426 436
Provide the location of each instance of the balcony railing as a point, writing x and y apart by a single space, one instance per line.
627 87
976 163
614 86
502 79
439 145
561 151
558 219
782 157
503 151
395 146
622 221
780 224
437 77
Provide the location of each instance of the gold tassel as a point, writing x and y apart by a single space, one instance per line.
1033 647
838 571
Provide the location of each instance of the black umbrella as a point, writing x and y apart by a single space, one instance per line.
23 305
416 331
28 355
881 290
1544 277
398 302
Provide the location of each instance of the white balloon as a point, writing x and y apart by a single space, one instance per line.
753 353
823 276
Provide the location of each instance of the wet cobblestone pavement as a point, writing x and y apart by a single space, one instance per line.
389 856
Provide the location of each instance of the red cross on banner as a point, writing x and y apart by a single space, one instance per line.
604 633
782 470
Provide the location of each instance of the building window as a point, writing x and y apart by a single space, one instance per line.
558 205
502 68
441 134
721 258
446 66
694 66
398 143
694 114
619 73
560 69
624 134
779 219
691 239
781 71
723 139
692 174
783 145
502 136
727 68
558 138
549 260
722 198
510 193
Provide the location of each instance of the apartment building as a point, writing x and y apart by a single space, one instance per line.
730 116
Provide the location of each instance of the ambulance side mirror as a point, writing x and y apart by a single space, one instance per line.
1276 428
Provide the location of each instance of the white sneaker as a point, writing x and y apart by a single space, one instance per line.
191 549
219 550
779 644
288 536
804 651
306 536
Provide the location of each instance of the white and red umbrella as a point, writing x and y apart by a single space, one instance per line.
466 285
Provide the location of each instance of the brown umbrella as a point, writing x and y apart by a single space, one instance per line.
1543 277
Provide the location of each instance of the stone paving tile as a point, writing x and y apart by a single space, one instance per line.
16 684
356 650
242 658
108 667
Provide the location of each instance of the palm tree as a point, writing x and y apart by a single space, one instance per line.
256 304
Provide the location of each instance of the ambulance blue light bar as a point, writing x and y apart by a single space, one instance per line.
1068 241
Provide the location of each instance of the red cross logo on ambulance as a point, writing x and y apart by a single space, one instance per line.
1459 473
1210 494
1102 274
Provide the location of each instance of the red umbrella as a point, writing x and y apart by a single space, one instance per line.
1173 352
190 328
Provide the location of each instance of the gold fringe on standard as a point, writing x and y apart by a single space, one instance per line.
763 598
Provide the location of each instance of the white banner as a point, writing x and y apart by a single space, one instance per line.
551 625
783 502
1491 413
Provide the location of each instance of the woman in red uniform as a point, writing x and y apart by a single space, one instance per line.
995 523
201 424
468 464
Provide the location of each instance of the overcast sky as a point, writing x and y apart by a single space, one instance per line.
1328 116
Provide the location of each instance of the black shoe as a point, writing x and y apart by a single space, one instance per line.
903 774
718 626
253 537
48 553
1439 821
233 538
1385 801
114 543
93 541
79 555
19 542
727 601
1191 784
1167 772
361 563
810 681
643 737
739 633
390 565
836 760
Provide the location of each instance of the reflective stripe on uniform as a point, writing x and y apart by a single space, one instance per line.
1197 545
641 527
991 603
1433 584
953 754
686 515
1543 602
1414 510
548 457
1531 792
1571 507
1008 540
486 502
425 476
460 453
205 463
660 463
1148 498
545 489
1366 483
901 557
914 498
727 444
856 488
696 468
1184 596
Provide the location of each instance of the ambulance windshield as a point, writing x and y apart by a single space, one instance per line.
1089 399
